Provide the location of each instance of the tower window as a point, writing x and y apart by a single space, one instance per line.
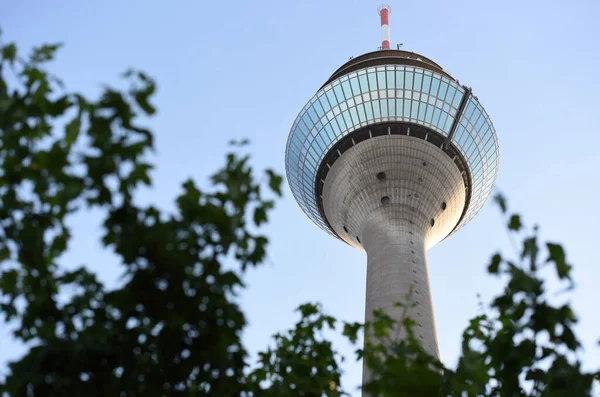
345 229
357 239
381 176
444 205
432 222
385 200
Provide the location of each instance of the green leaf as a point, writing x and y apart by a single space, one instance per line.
275 181
44 53
501 201
531 250
72 131
308 309
515 223
9 52
558 256
495 263
351 331
260 216
8 281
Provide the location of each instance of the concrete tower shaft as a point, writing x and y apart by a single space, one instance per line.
399 195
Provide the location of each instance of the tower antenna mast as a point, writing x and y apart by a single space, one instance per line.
384 11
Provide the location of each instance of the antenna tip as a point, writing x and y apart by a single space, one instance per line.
384 7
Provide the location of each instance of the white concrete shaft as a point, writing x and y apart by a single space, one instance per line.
391 218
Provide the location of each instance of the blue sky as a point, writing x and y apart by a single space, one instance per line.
245 69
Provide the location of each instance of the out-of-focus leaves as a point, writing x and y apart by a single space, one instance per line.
9 52
515 223
556 254
173 326
44 53
275 181
494 264
501 201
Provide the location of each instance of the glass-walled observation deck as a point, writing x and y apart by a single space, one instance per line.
410 89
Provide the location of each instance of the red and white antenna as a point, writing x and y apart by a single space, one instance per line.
384 11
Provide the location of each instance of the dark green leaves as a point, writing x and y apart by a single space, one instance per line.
173 321
9 52
556 254
501 201
351 331
44 53
72 131
275 181
515 223
495 263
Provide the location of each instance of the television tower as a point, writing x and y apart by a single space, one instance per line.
393 155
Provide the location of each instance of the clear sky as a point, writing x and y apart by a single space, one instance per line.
245 68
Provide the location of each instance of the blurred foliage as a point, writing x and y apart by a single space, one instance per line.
173 326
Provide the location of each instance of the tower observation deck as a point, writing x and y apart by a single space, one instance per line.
392 155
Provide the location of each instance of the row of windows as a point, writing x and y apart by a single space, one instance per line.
312 146
387 93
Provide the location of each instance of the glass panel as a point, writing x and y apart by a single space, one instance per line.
355 85
469 110
361 113
435 85
325 103
421 115
313 114
384 107
354 116
381 79
457 99
340 119
443 90
364 85
376 109
318 108
339 94
330 132
449 121
347 119
347 90
418 82
408 80
331 98
406 110
392 107
442 121
369 110
426 84
372 82
450 96
391 81
400 78
429 114
414 107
